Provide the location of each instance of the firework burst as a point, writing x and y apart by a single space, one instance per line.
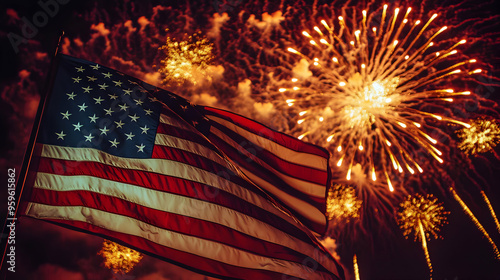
119 258
185 60
421 213
422 217
342 203
370 88
481 137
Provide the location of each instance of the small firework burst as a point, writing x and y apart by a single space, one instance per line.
422 217
342 203
185 60
119 258
481 137
370 88
421 213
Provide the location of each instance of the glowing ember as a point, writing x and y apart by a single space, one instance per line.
185 60
119 258
356 267
422 217
482 136
361 89
342 203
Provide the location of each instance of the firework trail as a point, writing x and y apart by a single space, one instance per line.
422 217
478 225
356 268
492 211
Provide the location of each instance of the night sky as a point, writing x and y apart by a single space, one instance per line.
126 35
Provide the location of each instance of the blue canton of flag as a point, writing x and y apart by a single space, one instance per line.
96 107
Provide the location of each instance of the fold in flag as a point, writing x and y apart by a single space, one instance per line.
196 186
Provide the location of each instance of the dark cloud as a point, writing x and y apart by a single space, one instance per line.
50 271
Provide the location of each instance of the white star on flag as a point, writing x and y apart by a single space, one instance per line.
104 130
123 107
144 129
87 89
114 143
60 135
77 126
141 148
98 100
134 117
103 86
82 107
93 118
88 137
66 115
109 111
129 136
71 96
119 124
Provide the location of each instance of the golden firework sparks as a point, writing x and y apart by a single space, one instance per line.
482 136
185 60
119 258
422 217
476 222
361 88
342 203
356 267
492 211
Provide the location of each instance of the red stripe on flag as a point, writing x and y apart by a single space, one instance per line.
184 134
195 160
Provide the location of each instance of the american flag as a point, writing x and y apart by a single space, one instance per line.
122 159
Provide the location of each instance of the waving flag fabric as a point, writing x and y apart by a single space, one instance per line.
295 173
141 166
